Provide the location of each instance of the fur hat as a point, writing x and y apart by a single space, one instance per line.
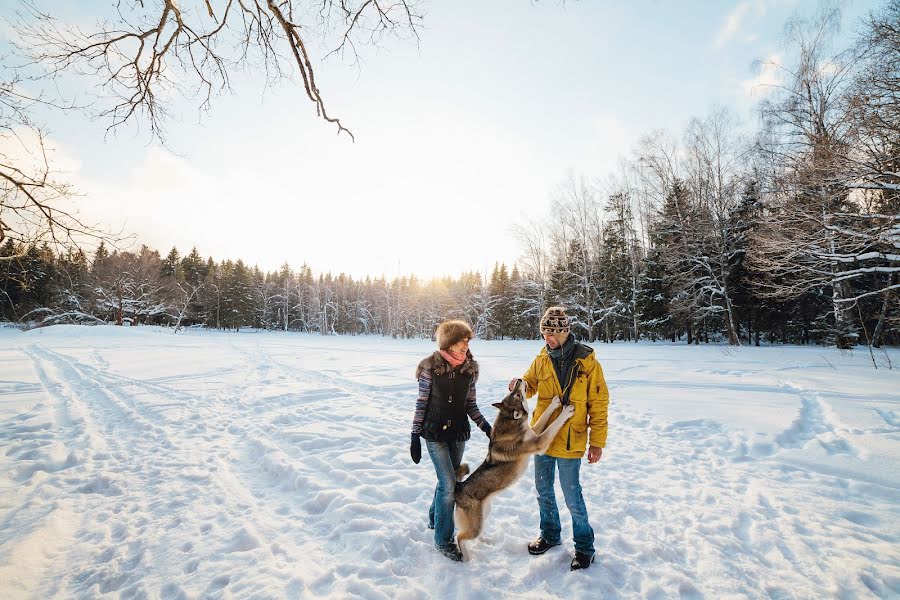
450 332
555 321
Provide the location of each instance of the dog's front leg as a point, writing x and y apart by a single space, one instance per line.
541 423
546 437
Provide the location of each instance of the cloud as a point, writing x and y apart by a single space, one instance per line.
769 76
829 68
8 32
161 201
29 151
742 16
733 23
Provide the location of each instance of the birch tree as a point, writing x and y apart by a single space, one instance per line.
808 134
576 232
713 161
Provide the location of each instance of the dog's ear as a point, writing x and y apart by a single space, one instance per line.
497 405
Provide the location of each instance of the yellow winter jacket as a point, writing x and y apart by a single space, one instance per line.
589 396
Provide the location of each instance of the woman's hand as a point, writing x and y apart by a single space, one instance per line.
415 448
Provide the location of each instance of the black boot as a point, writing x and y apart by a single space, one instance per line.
539 546
581 561
451 551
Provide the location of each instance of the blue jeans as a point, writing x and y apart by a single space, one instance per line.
544 467
446 457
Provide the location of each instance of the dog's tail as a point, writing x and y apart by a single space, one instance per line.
462 471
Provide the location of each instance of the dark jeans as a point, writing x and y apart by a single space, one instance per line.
569 468
446 457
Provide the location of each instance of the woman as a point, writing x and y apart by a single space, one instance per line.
446 403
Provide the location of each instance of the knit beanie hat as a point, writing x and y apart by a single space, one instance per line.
555 321
450 332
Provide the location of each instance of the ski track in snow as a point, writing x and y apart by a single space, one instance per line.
255 465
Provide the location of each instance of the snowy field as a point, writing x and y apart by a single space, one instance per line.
135 463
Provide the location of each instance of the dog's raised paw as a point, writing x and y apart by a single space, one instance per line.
567 412
554 404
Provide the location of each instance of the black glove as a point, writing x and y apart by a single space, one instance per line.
415 448
487 431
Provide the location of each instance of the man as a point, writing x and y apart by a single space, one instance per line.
568 369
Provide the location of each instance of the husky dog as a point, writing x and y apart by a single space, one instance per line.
512 443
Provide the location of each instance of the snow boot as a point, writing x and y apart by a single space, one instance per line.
451 551
539 546
581 561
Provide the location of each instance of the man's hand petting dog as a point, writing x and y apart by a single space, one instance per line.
512 384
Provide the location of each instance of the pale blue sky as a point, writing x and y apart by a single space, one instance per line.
456 139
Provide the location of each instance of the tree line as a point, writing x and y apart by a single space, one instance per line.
787 234
143 287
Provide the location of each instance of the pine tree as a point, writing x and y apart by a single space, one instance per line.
653 297
10 281
520 325
751 309
501 303
193 267
73 285
562 289
169 266
616 280
100 255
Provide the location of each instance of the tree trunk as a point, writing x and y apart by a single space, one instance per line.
119 309
731 327
842 337
885 310
843 340
287 302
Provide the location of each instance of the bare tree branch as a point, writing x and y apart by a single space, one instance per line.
152 52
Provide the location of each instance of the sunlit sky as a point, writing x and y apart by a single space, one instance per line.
457 139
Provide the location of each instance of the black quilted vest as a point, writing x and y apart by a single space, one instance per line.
445 418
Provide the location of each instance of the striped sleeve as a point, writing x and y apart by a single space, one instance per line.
473 411
422 400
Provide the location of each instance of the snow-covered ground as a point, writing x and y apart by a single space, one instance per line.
135 463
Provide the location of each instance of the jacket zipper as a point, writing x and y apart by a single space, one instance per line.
569 425
569 382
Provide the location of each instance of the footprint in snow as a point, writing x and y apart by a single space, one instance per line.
219 583
861 518
172 591
191 566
